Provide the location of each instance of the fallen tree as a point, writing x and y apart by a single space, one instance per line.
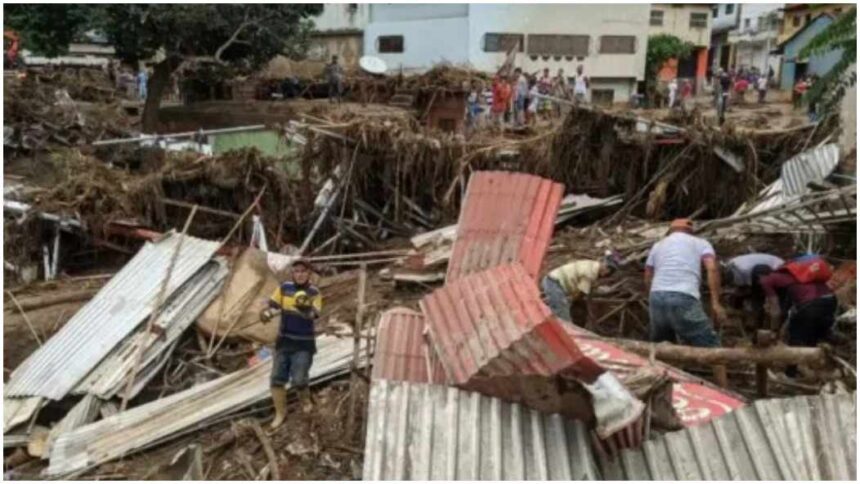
774 355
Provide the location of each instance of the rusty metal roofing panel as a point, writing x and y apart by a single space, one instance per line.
494 323
402 352
119 307
506 217
802 438
434 432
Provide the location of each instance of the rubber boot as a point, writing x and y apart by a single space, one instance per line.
279 400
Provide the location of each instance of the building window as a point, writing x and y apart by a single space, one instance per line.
808 18
715 11
837 11
494 42
656 18
390 44
730 9
351 8
746 24
617 44
795 21
558 45
698 20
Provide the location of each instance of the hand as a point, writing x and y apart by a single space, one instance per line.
267 314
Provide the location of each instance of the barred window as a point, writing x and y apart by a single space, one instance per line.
390 44
656 18
558 45
617 44
698 20
499 42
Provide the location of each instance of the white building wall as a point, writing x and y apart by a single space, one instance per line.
394 12
342 16
425 42
723 21
755 37
676 21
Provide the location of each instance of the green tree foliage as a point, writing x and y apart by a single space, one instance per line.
661 48
841 35
239 37
48 29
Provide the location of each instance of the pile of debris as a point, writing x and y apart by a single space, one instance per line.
49 108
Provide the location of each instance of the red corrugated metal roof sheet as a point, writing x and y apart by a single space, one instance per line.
494 323
695 401
401 352
506 217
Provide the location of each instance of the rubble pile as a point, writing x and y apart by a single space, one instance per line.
51 108
428 248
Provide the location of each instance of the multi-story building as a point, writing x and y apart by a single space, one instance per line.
339 30
755 38
797 15
794 66
609 42
690 23
725 17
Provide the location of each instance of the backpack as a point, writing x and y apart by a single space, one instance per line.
808 268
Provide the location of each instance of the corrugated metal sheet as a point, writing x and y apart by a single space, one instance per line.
804 438
181 310
19 410
494 323
433 432
506 217
171 416
695 400
812 165
124 302
402 352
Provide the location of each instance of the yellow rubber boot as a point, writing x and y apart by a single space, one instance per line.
279 400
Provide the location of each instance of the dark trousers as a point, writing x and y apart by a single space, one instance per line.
810 323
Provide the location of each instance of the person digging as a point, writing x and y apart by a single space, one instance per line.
299 303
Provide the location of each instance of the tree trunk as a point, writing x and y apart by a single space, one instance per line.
156 86
774 355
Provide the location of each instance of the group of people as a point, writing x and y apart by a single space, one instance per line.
686 94
523 98
731 87
134 85
791 297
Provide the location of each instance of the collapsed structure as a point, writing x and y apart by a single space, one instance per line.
472 376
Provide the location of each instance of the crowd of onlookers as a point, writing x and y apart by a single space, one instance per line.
523 98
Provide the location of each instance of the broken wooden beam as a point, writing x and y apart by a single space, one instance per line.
200 208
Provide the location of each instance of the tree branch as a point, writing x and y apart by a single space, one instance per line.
232 39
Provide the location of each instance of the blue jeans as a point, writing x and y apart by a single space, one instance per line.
679 314
291 364
556 298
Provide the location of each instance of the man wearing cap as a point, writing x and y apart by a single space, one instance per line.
673 272
299 303
573 280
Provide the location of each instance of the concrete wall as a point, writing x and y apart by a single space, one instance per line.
676 21
348 47
425 42
817 64
394 12
582 19
339 17
723 21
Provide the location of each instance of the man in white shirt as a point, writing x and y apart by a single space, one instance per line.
673 92
673 273
761 86
580 85
744 272
573 280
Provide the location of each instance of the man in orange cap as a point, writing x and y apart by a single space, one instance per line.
673 273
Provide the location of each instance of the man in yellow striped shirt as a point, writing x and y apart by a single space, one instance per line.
573 281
